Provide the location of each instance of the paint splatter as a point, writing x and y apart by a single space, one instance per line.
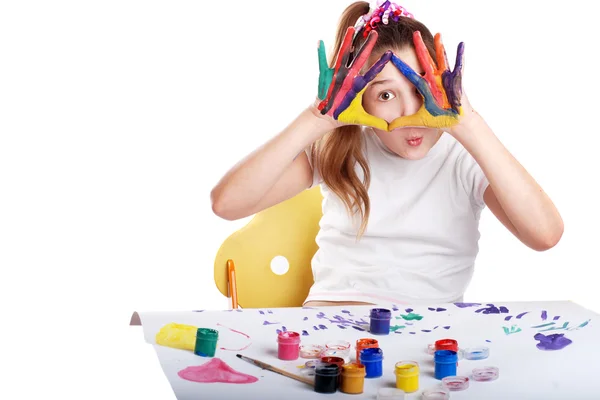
305 319
270 323
283 328
447 327
358 328
556 341
508 318
270 312
315 328
544 315
492 309
197 310
394 307
440 309
513 329
465 305
425 330
396 327
304 333
341 327
556 318
412 317
522 314
436 327
216 370
412 333
409 323
278 331
431 308
543 325
262 312
409 310
584 324
555 328
238 332
322 327
321 315
489 341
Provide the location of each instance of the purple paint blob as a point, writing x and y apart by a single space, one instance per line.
284 328
304 333
521 315
431 309
556 341
346 312
315 328
544 315
262 312
394 307
270 312
425 330
409 310
322 327
412 333
508 318
556 318
447 327
465 305
341 327
321 315
489 341
305 319
440 309
278 331
358 328
270 323
503 310
436 327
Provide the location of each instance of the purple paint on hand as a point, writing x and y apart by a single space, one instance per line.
508 318
556 341
544 315
465 305
556 318
304 333
521 315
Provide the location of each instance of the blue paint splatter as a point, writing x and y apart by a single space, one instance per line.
270 312
440 309
503 310
431 308
436 327
489 341
492 309
346 312
321 315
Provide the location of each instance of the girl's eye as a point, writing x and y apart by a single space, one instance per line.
386 96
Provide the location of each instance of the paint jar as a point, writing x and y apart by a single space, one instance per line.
380 321
365 344
289 345
326 378
337 348
372 359
407 376
353 378
206 342
390 394
445 363
311 351
446 344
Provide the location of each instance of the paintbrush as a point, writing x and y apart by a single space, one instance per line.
276 370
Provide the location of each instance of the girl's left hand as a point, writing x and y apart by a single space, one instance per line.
444 102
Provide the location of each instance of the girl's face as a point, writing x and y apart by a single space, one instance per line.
389 96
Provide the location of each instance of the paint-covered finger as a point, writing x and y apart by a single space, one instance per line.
378 66
407 71
431 72
363 54
325 73
340 71
355 114
440 53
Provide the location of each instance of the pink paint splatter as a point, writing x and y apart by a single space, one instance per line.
215 371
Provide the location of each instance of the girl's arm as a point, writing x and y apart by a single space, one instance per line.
276 171
513 196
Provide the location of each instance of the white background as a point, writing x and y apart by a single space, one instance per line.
118 117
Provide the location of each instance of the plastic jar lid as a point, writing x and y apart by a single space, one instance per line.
476 353
340 345
390 394
455 383
207 333
436 394
446 344
311 351
288 337
486 374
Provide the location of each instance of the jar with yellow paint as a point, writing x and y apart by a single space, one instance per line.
353 378
407 376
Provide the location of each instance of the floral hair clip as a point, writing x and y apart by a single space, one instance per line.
382 12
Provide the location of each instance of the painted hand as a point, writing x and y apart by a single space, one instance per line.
440 88
341 88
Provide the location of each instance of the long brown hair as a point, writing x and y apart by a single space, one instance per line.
339 151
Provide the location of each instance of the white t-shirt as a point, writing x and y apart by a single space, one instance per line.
421 240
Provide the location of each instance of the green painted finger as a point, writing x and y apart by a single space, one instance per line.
325 73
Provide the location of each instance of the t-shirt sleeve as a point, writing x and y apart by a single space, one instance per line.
473 179
316 176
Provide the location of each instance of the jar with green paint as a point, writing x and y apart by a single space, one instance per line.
206 342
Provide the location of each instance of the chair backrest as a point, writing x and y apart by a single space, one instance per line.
280 235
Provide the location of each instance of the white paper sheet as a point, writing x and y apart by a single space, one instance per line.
526 372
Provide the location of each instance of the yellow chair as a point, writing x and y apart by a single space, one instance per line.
287 229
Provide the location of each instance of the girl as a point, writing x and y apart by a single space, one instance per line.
401 208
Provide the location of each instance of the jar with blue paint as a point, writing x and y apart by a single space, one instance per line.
372 359
380 321
445 363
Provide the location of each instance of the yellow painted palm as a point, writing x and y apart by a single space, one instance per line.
280 236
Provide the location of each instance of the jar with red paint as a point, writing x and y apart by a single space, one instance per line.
289 346
446 344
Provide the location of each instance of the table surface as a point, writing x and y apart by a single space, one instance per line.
507 329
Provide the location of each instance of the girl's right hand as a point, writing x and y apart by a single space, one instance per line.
341 88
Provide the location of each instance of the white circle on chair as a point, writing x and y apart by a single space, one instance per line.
280 265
